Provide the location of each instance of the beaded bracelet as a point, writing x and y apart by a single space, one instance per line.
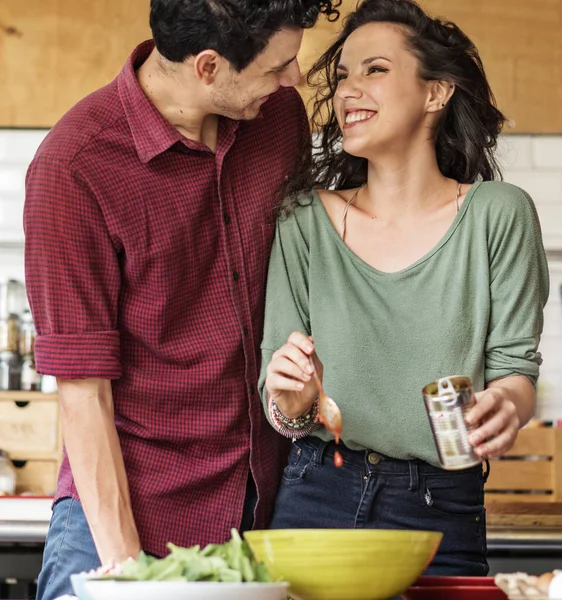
293 428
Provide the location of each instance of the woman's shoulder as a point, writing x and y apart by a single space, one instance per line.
499 200
297 206
303 205
503 193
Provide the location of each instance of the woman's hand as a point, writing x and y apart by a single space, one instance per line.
500 410
289 380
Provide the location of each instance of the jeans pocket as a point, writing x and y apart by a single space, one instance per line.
457 496
300 461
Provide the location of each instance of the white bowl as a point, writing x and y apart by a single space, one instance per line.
78 581
183 590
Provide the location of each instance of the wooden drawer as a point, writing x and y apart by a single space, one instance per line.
29 425
38 477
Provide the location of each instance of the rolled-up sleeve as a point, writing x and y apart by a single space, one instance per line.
72 274
518 290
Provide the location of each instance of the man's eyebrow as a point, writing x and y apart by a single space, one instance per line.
285 64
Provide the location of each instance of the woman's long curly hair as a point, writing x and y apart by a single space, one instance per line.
465 136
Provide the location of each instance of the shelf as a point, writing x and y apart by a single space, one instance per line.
21 396
27 455
12 244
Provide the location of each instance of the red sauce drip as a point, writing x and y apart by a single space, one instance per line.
338 459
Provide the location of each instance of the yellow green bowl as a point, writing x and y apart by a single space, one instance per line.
345 564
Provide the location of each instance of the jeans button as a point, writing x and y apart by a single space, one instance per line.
374 458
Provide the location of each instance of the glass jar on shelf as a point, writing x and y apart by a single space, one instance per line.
30 379
12 297
7 475
27 334
10 370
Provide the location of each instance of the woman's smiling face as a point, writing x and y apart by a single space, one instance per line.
381 102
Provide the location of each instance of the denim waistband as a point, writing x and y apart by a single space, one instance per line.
377 462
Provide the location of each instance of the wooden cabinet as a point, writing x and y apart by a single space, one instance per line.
54 52
521 46
30 433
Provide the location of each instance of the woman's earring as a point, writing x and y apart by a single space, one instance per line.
442 105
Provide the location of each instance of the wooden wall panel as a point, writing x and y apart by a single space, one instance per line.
55 52
520 43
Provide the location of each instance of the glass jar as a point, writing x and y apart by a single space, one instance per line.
10 371
27 334
7 475
9 333
30 379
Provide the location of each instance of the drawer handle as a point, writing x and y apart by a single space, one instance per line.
21 403
19 464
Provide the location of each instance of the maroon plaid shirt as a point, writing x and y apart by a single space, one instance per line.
146 260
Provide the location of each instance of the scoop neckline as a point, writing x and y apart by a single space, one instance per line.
389 274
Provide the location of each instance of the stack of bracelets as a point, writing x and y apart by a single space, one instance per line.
294 428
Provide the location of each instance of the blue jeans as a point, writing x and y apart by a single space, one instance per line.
376 492
70 549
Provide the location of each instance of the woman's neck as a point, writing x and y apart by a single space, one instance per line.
402 186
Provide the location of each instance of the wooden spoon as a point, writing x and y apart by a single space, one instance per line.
329 413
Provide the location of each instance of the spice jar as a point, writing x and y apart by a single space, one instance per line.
30 379
9 333
27 334
10 370
7 475
11 295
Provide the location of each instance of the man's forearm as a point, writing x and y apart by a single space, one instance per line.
96 460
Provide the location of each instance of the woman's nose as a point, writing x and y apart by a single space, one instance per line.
348 88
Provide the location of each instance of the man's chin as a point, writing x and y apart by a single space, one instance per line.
247 114
251 113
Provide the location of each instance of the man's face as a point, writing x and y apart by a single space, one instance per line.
240 95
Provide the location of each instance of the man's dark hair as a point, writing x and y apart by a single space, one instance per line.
237 29
466 135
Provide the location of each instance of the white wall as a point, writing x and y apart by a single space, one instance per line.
532 162
17 148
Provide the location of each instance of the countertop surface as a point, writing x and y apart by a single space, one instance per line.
24 519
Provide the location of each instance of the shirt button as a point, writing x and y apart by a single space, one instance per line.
235 276
374 458
226 219
246 332
252 390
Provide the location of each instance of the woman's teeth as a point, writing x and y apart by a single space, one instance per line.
360 115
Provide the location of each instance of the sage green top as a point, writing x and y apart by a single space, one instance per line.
472 306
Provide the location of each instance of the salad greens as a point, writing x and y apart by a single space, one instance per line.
229 562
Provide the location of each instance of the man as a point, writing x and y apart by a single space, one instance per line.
148 224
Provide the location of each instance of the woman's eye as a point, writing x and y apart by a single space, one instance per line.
371 70
340 76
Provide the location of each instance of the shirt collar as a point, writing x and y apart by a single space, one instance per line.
152 133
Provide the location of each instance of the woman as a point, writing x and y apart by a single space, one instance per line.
414 265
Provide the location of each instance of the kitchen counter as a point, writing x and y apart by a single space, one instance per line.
24 519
